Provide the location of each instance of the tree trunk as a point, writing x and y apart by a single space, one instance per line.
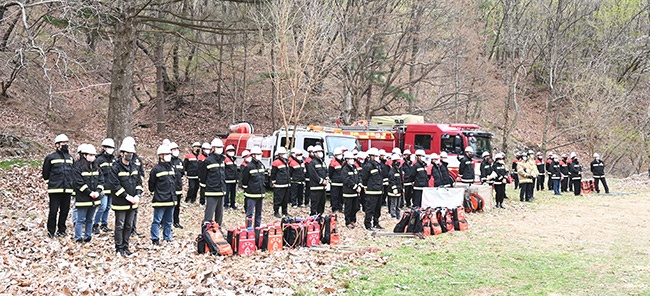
160 92
120 108
274 93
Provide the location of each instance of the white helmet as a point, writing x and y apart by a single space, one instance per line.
443 154
61 138
127 147
338 150
129 140
382 152
435 156
485 154
296 150
348 155
216 142
245 153
596 155
499 155
395 156
81 147
407 152
469 149
362 155
88 149
173 145
166 142
397 151
372 152
163 149
206 145
310 148
531 152
196 144
420 152
573 154
108 142
230 148
318 148
256 150
281 150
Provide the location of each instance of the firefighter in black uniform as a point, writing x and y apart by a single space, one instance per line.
252 180
232 175
280 181
395 187
500 179
162 182
420 178
372 178
105 161
513 172
317 172
180 171
564 170
126 185
352 187
359 162
212 177
138 163
486 168
466 166
407 170
555 174
89 190
58 174
336 180
541 169
436 170
191 166
297 171
575 172
598 170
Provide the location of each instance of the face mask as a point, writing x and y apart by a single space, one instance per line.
90 158
362 161
524 158
218 150
167 158
128 157
256 156
338 157
175 153
206 151
110 150
248 159
319 154
64 148
231 154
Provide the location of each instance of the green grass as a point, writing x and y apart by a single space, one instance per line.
8 164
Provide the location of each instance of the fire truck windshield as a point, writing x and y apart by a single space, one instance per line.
480 143
338 141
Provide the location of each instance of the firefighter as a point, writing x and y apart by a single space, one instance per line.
372 178
385 169
420 177
359 162
231 178
486 168
58 175
138 163
310 155
564 170
336 178
447 180
104 161
179 169
598 170
525 172
297 170
541 169
206 149
466 166
246 159
212 178
549 163
535 173
395 187
89 191
191 165
499 176
126 186
352 188
436 170
555 174
575 172
280 181
252 180
317 171
162 182
407 170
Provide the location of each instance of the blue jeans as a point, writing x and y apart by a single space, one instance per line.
103 210
162 215
556 186
83 228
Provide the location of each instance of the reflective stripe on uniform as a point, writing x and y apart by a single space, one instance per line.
163 204
123 174
84 204
373 192
418 188
231 181
105 164
408 184
420 169
179 192
281 185
139 187
349 195
215 165
208 193
107 191
60 160
374 171
337 184
123 208
119 192
317 188
59 190
83 188
254 195
85 174
165 173
192 177
202 184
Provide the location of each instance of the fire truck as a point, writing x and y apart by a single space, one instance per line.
430 137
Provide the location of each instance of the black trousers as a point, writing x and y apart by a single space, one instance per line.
123 228
231 194
417 197
177 209
393 206
351 206
372 209
307 193
59 208
549 184
193 189
500 191
254 210
408 194
570 184
602 179
515 179
297 194
540 182
564 184
317 202
523 191
213 209
281 199
577 186
336 198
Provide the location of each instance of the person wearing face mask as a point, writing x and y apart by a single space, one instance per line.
555 174
533 166
280 181
541 169
179 169
499 177
310 156
575 173
58 174
162 182
89 191
420 177
191 165
231 178
395 187
206 149
297 171
436 170
246 159
126 187
525 172
105 161
564 169
447 180
466 167
407 170
547 167
351 190
135 159
252 180
318 179
597 168
486 168
513 173
335 175
385 169
372 178
359 161
212 178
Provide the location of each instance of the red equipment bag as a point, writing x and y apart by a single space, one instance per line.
272 239
246 243
313 234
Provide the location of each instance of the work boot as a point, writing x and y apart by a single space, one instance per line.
155 242
277 215
95 229
105 228
178 225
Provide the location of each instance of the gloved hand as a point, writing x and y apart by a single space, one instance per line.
395 191
131 199
94 195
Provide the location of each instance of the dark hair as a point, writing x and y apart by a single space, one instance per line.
85 165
